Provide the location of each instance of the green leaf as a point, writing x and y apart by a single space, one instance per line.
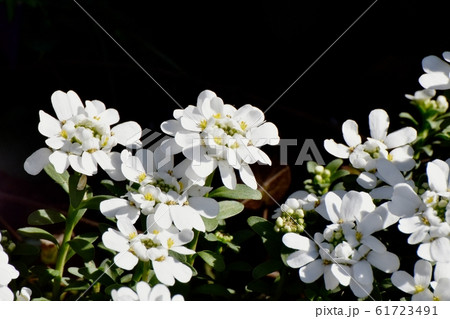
61 179
408 116
83 248
211 237
77 286
34 232
213 259
76 195
262 227
267 267
210 223
229 208
241 191
340 173
45 217
24 249
334 165
94 202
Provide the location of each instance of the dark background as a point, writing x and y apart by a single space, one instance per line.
247 52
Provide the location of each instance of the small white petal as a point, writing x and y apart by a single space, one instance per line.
246 174
61 105
126 260
59 160
335 149
350 132
207 207
379 124
386 261
401 137
403 281
36 162
367 180
227 174
312 271
127 133
422 273
48 125
362 272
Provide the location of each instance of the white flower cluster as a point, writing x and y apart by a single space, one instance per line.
346 251
381 145
8 273
81 137
213 134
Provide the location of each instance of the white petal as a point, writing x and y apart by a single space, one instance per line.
312 271
59 160
127 133
162 216
207 207
440 249
360 290
362 272
171 127
403 281
118 207
103 160
227 174
435 80
333 205
182 272
61 105
383 192
389 173
143 291
367 180
88 163
36 162
246 174
350 132
116 162
162 272
422 273
432 63
373 243
299 242
126 227
159 293
402 157
6 294
401 137
335 149
48 125
267 133
126 260
109 116
114 240
300 258
342 273
438 172
441 270
351 206
387 261
442 290
75 103
185 217
404 201
424 251
378 123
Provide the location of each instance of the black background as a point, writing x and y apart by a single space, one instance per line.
247 52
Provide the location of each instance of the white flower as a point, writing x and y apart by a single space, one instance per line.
24 294
418 286
426 217
213 134
424 100
7 271
165 193
81 137
130 245
436 72
144 293
393 147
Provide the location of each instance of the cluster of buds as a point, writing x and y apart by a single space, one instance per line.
423 100
291 220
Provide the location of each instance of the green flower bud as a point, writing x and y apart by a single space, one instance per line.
319 169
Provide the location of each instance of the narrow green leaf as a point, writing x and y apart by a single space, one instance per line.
45 217
241 191
61 179
229 208
83 248
34 232
340 173
408 116
267 267
76 194
213 259
334 165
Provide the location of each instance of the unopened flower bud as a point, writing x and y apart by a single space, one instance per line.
319 169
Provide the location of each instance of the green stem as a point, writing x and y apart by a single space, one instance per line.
146 271
63 251
193 245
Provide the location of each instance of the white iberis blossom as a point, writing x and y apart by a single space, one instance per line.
437 72
426 217
81 137
364 156
153 245
165 193
213 134
346 251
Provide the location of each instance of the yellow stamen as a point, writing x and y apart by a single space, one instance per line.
64 134
149 197
243 125
217 116
218 140
390 157
141 177
132 235
203 124
162 258
170 243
